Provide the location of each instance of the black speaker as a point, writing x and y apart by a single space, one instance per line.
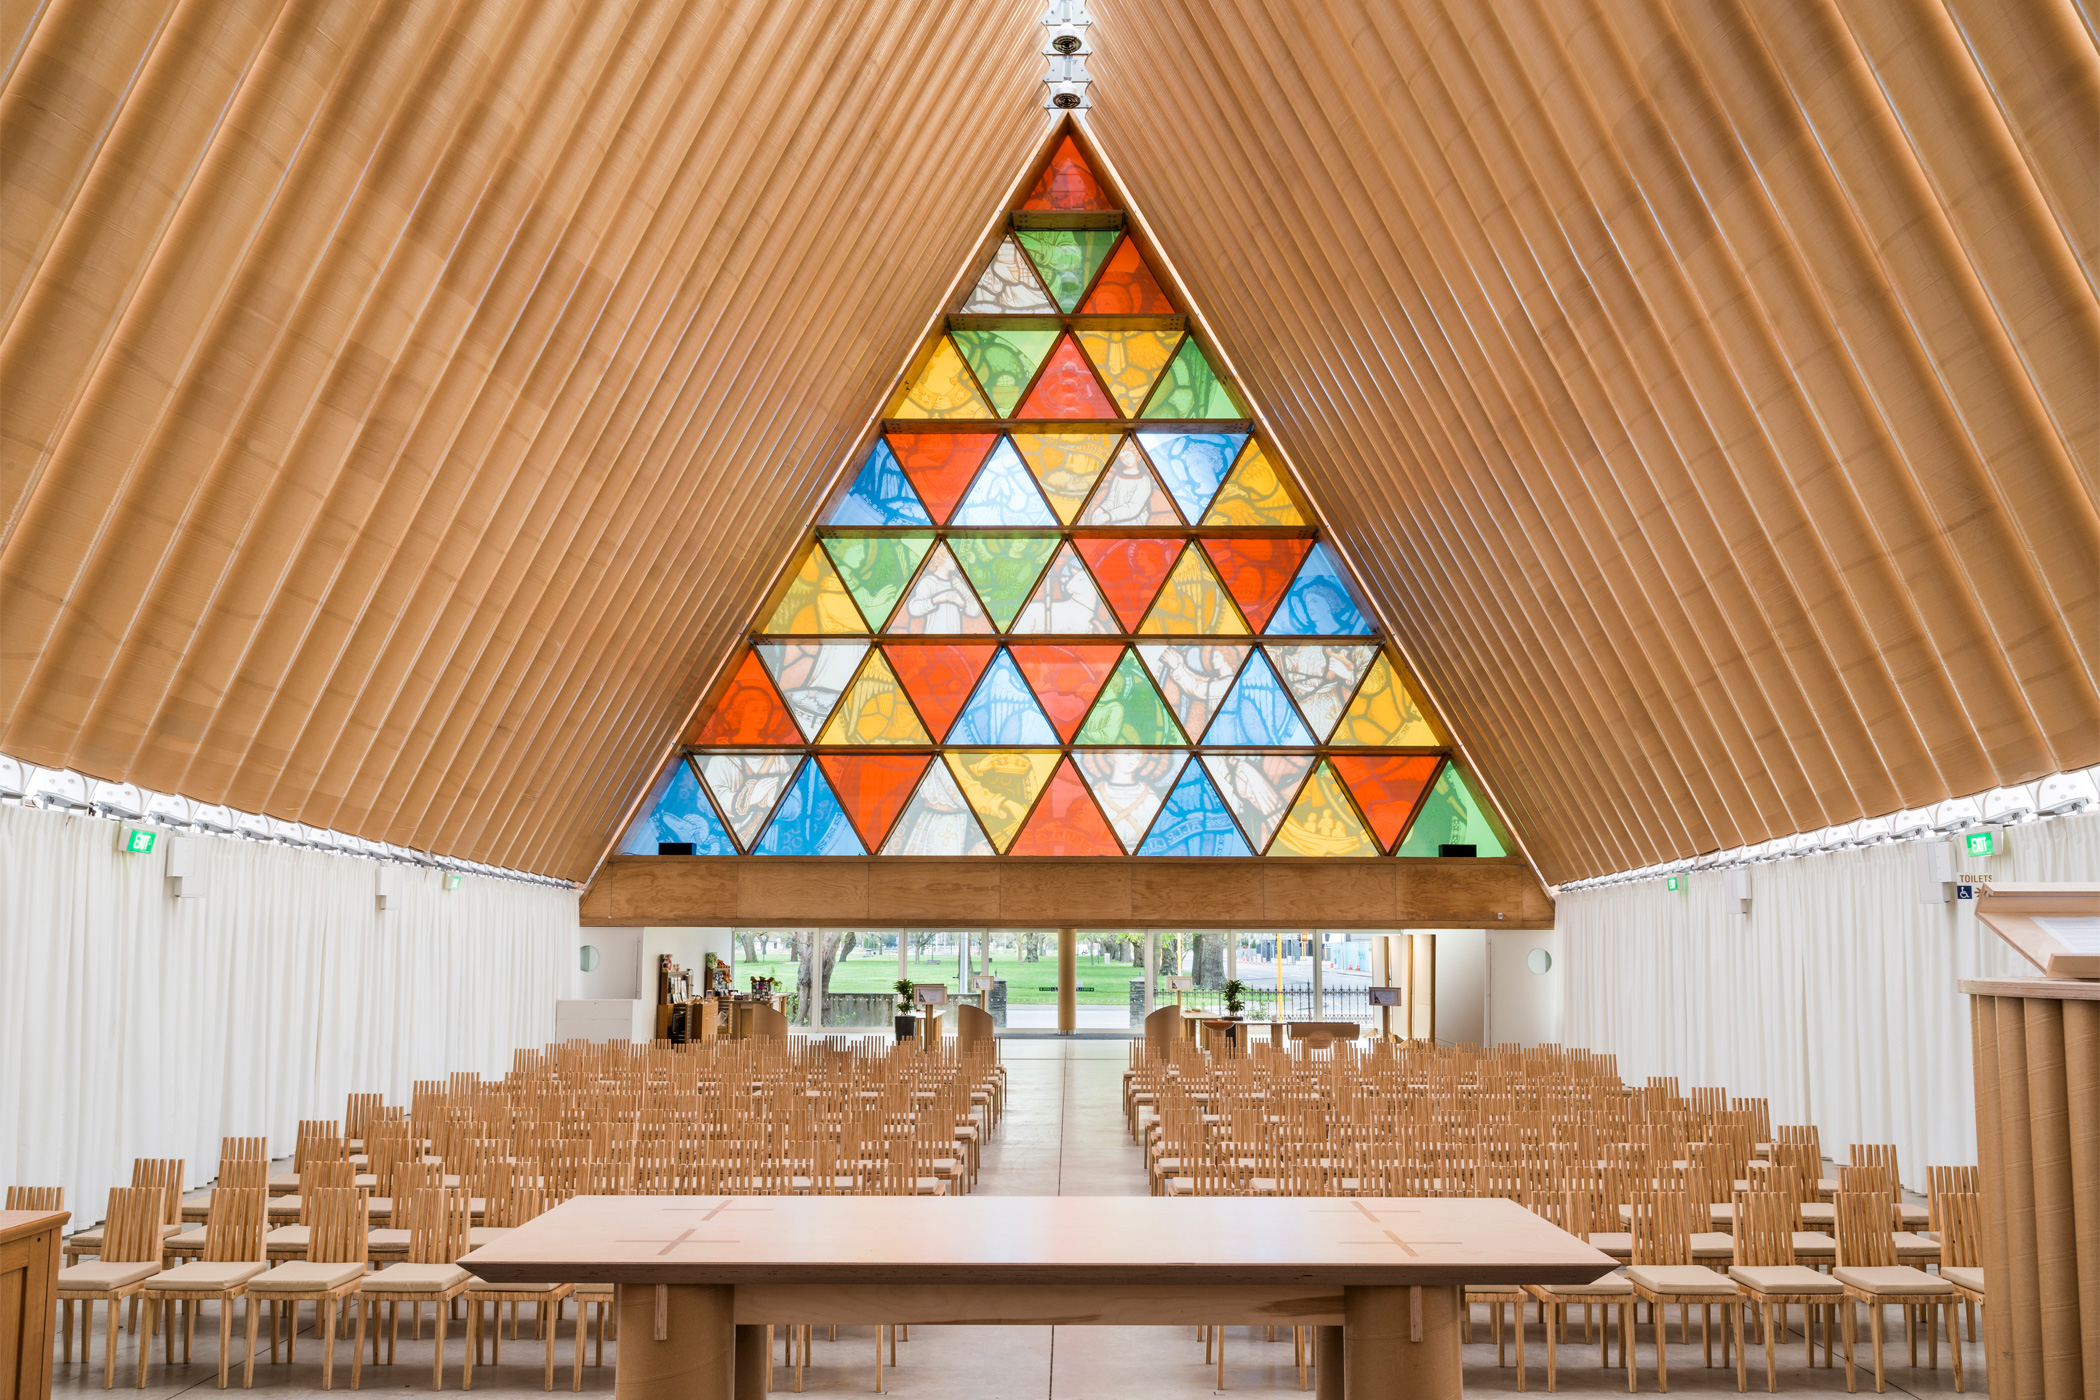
685 848
1466 850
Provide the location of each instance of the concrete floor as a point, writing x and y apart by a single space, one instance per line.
1062 1135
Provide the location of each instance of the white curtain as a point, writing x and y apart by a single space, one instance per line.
1835 997
133 1024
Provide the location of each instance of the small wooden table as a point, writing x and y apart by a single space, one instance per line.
29 1248
701 1276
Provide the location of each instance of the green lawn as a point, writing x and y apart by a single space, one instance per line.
1109 982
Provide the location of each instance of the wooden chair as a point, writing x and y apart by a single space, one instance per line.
242 1173
1941 1182
1961 1247
163 1173
1880 1180
523 1205
43 1198
1767 1271
1577 1211
1662 1272
1871 1274
335 1265
1882 1155
438 1237
233 1256
128 1254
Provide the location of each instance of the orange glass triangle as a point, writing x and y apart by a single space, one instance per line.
873 788
1065 679
749 712
941 465
1127 287
1129 571
1257 571
939 678
1066 822
1388 789
1068 183
1066 388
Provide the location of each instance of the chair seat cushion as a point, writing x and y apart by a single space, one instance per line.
386 1241
283 1207
479 1235
1815 1244
1784 1278
1680 1278
1611 1284
1900 1279
595 1290
1618 1243
1962 1276
99 1277
1819 1213
482 1288
1712 1244
187 1239
305 1277
416 1278
1916 1249
206 1273
284 1181
288 1237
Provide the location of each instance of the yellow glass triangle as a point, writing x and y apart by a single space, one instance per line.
875 710
1193 603
816 602
1002 786
1129 362
1323 822
944 389
1066 466
1253 495
1383 714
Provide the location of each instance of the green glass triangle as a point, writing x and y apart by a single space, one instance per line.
1002 568
1191 389
1451 816
1005 361
1129 710
1068 258
877 568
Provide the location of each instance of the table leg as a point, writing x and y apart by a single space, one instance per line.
751 1361
1328 1363
696 1358
1381 1359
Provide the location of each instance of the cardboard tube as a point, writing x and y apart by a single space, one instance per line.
697 1359
2022 1282
1379 1362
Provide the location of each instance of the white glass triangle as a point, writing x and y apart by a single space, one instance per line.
746 786
810 676
1321 679
941 603
1008 286
1067 601
937 821
1130 784
1258 788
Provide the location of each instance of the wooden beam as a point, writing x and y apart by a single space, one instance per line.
963 892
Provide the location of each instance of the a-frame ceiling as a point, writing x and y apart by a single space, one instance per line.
405 403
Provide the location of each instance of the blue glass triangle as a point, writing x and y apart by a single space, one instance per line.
881 495
1004 494
1258 713
676 811
1194 822
1192 465
1318 603
810 821
1003 711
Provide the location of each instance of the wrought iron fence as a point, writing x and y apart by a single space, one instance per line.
1258 1004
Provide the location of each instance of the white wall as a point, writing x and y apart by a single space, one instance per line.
1522 1006
133 1024
1461 986
619 969
1835 997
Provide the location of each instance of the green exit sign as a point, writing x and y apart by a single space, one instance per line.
138 840
1675 884
452 882
1980 843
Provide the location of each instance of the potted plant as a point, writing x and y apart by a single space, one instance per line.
1235 997
907 1024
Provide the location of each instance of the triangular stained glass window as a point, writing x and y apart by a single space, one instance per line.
1323 822
1258 787
1065 465
941 465
1452 819
873 788
1065 679
944 388
1067 182
1129 494
1003 568
1066 822
1383 714
1067 259
1191 389
1195 821
1130 785
941 603
1387 788
811 676
1322 677
1067 388
881 495
1127 287
1256 570
1253 495
1067 602
1002 710
677 812
1005 361
809 822
1002 787
1003 496
1193 677
938 677
1008 286
1129 710
1318 603
937 821
1258 714
1129 571
877 568
1192 465
1128 361
749 711
746 787
816 601
875 710
1193 603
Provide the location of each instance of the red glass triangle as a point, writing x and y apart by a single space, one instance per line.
1066 388
1127 287
1129 572
1068 183
873 788
1388 790
1066 822
1066 679
749 712
939 678
1257 571
941 465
